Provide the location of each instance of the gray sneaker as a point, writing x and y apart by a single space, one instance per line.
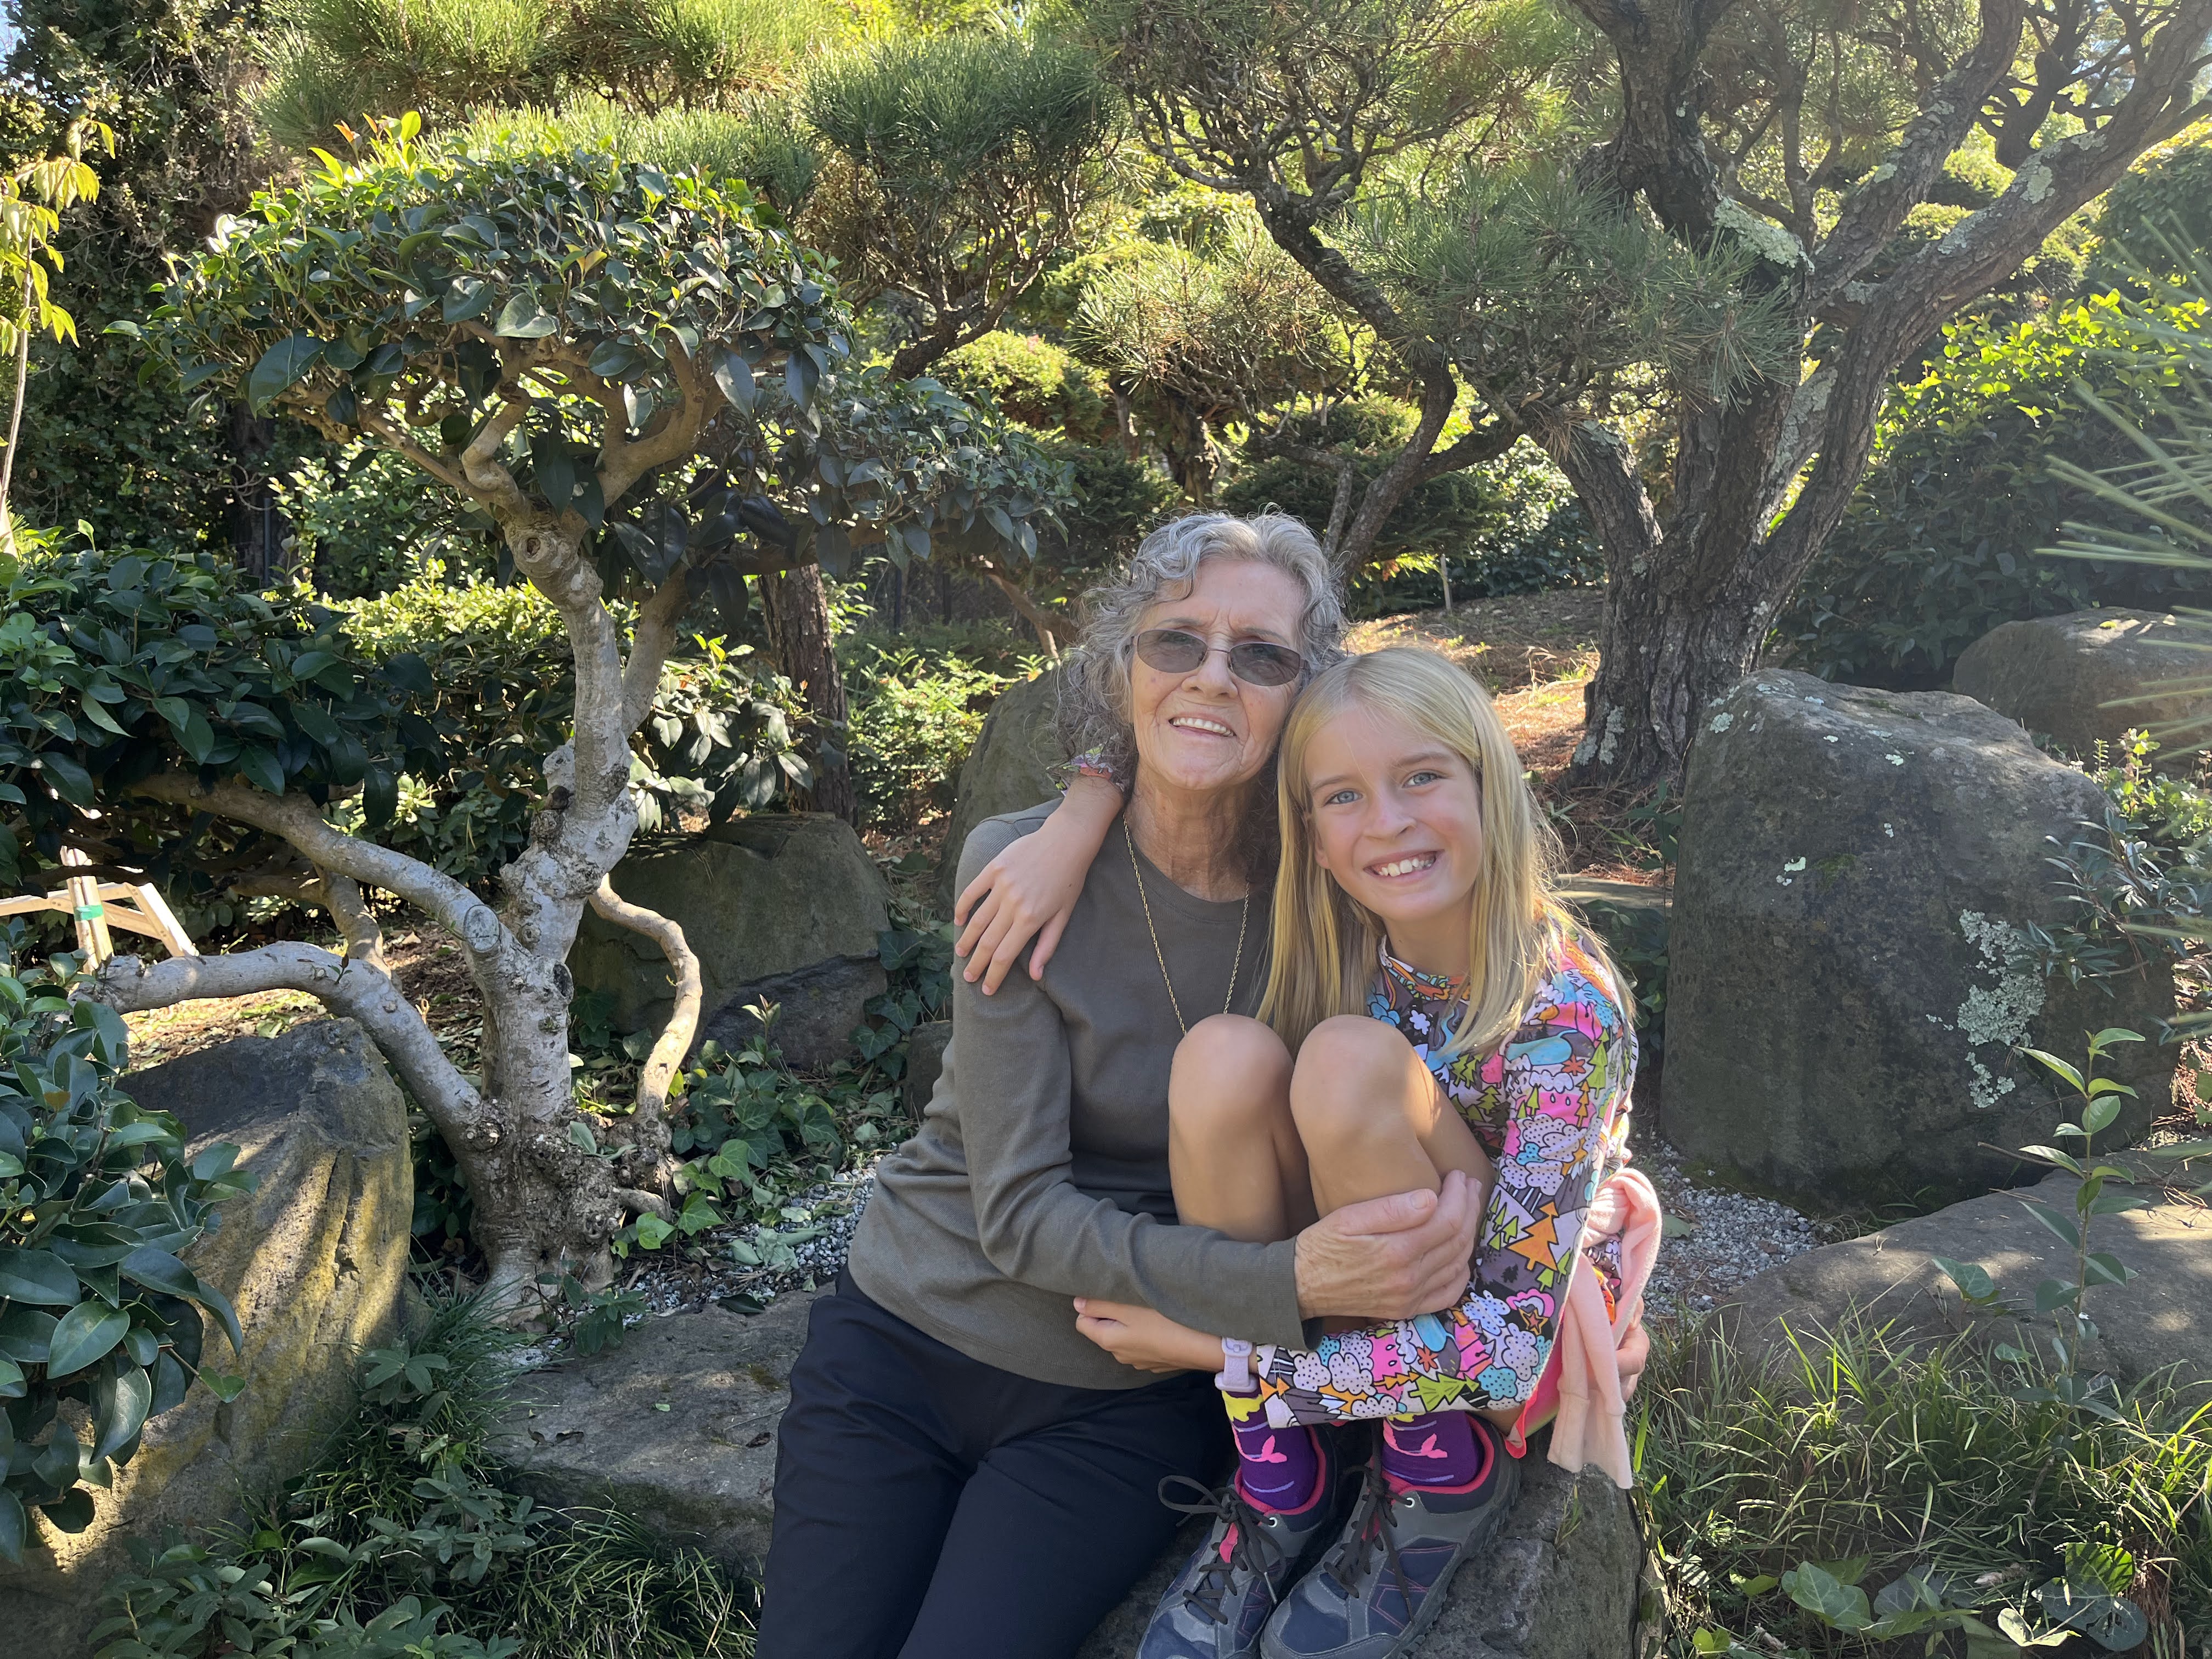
1383 1582
1220 1599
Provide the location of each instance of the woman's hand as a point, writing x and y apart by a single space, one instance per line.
1390 1258
1147 1340
1030 890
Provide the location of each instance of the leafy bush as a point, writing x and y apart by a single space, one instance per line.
1940 544
406 1540
98 1203
913 719
2166 197
755 1136
364 523
1117 502
1038 383
1511 526
425 714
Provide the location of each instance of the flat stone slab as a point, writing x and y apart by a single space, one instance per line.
1560 1584
677 1426
2155 1321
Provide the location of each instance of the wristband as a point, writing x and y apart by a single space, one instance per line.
1234 1375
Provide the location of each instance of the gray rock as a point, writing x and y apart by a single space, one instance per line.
1560 1584
2090 675
784 906
1008 769
587 1430
924 1062
2153 1321
1848 974
315 1261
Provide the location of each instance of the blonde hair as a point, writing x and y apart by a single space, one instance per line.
1326 946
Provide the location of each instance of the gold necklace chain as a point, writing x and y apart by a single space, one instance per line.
1160 956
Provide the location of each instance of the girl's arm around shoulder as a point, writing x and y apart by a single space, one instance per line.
1029 889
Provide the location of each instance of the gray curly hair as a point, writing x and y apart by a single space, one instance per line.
1094 687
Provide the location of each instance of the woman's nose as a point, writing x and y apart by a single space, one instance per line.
1213 675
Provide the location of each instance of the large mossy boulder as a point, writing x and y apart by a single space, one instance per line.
315 1261
1011 767
784 907
2087 677
1849 976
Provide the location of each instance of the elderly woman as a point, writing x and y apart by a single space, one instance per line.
961 1472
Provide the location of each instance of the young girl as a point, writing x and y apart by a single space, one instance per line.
1444 1013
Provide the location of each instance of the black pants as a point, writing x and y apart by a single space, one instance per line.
928 1506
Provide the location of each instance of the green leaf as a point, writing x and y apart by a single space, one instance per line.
70 781
2055 1293
259 767
2053 1155
522 318
120 1404
12 1386
15 1527
2099 1112
2069 1232
158 1270
1827 1598
87 1332
581 1137
38 1277
1974 1280
2053 1063
219 1304
2102 1267
735 377
280 367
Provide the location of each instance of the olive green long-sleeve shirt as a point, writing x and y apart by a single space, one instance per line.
1039 1172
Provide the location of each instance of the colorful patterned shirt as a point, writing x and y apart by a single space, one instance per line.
1550 1105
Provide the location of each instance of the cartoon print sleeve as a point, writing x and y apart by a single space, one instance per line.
1558 1085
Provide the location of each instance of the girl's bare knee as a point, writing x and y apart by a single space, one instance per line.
1227 1068
1351 1071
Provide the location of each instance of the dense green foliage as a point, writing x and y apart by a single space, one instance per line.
1510 525
117 665
1923 1462
406 1540
422 717
99 443
98 1202
914 720
1968 481
1039 383
345 60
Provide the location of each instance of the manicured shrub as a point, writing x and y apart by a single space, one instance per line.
1940 545
1035 381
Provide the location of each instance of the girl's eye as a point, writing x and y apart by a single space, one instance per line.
1423 776
1341 798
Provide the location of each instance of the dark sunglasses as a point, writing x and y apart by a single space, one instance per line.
1173 651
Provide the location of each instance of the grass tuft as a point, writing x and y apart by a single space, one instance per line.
1854 1446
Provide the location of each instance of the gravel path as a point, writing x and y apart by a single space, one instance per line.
1716 1239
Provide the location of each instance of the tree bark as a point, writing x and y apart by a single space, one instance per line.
797 609
1692 599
